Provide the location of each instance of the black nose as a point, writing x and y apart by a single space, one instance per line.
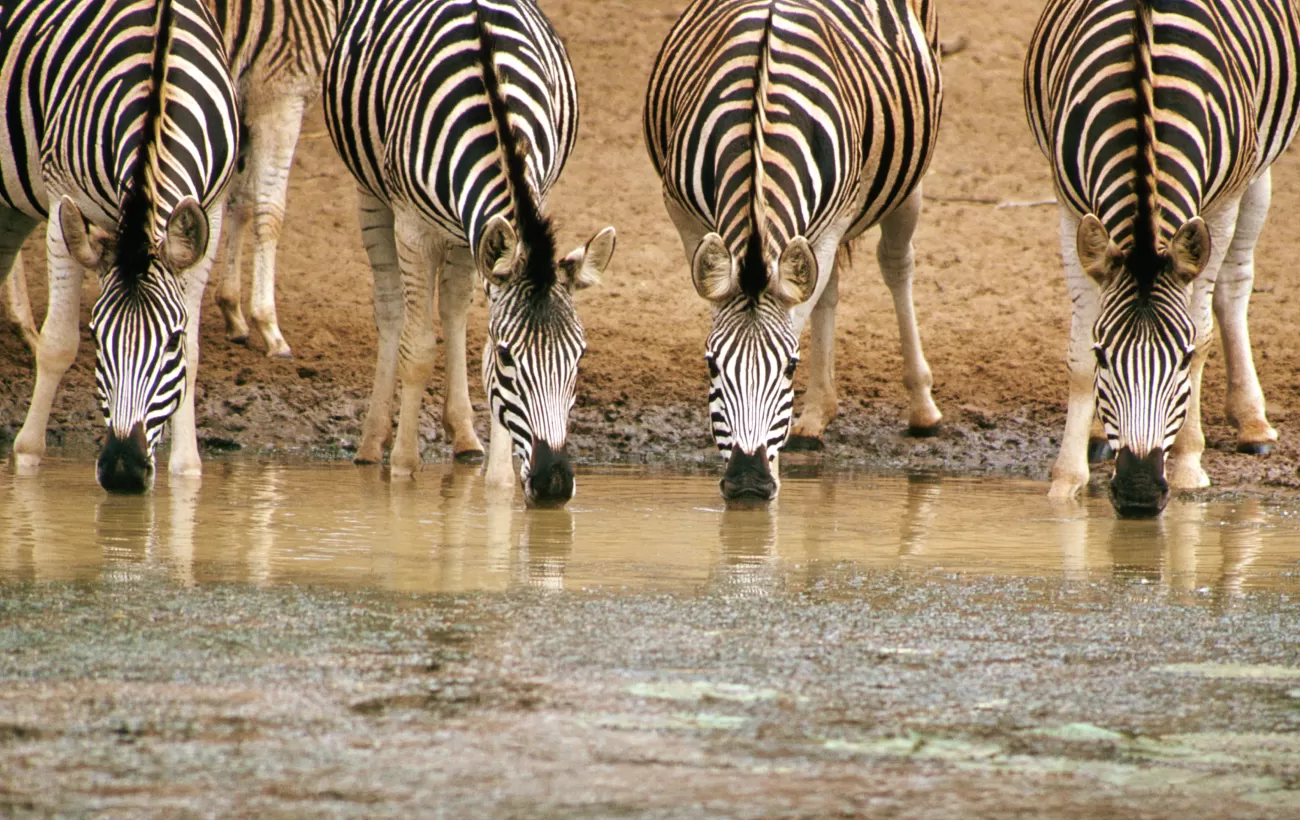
748 476
125 466
550 479
1139 489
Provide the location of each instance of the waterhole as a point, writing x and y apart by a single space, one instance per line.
635 529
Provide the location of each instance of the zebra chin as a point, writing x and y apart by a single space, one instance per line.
749 477
549 482
1138 488
126 466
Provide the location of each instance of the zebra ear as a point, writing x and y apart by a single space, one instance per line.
1100 257
796 273
498 251
1189 250
583 267
711 269
187 235
88 243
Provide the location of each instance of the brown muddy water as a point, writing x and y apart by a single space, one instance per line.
628 529
315 640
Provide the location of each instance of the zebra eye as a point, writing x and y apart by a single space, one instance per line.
713 366
1187 358
174 341
503 356
1101 356
789 368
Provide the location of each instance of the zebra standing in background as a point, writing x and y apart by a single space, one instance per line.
1161 119
120 128
456 117
783 129
277 51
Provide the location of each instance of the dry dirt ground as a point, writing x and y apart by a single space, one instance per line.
989 293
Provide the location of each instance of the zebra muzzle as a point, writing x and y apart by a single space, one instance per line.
125 466
748 476
1139 489
550 475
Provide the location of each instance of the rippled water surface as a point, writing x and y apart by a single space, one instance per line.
637 529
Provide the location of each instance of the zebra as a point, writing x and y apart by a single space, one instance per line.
783 129
277 51
120 128
456 118
1160 120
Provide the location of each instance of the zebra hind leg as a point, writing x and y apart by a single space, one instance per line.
227 295
1245 403
897 266
14 229
274 130
819 401
377 235
455 291
419 254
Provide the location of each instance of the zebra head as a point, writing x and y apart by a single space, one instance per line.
752 352
138 323
1144 341
534 342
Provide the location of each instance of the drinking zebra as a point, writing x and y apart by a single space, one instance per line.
782 130
456 118
120 128
1160 120
277 51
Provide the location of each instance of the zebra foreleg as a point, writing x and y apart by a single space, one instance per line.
820 401
1070 471
377 235
57 346
897 266
184 459
1245 404
419 254
455 291
500 471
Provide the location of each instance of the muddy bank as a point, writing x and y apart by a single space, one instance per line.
888 694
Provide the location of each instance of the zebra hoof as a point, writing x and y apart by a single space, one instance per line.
926 431
804 444
469 457
365 460
1099 450
286 353
242 341
1255 448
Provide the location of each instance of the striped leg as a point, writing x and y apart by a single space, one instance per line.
455 291
377 236
1070 472
274 132
419 256
1183 469
1245 406
14 229
184 459
897 265
57 346
239 208
819 402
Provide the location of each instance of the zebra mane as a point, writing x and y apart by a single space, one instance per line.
1143 258
536 234
753 268
134 224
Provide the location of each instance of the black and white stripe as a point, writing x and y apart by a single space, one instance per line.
782 128
1157 116
277 51
457 116
120 127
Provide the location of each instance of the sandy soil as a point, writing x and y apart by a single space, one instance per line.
985 274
